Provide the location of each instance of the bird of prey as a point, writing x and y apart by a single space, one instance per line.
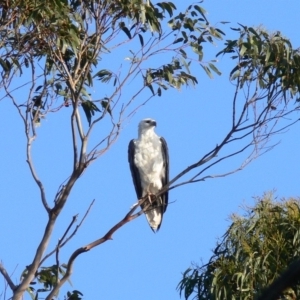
149 164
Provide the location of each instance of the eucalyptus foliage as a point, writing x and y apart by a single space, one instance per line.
268 59
254 251
70 39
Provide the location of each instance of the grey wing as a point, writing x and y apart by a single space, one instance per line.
165 177
134 170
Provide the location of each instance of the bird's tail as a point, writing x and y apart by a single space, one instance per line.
154 213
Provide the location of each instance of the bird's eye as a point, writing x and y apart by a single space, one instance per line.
148 121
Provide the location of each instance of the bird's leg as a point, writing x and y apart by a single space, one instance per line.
151 197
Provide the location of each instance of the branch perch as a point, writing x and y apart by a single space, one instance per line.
108 236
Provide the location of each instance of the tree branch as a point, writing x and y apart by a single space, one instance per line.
63 242
7 277
108 236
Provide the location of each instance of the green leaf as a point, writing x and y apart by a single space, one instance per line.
26 62
185 36
235 75
188 77
4 65
243 50
193 14
103 75
202 11
198 50
38 88
189 24
162 85
183 53
159 91
141 40
106 106
168 6
178 40
74 295
151 88
214 68
16 62
207 71
89 109
220 31
89 79
235 29
186 65
254 32
125 29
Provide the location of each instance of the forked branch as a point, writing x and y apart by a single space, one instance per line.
7 277
130 216
64 239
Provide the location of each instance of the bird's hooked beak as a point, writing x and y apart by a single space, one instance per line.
153 123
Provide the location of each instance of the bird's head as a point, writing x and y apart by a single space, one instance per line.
147 125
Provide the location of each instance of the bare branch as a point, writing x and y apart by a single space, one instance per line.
30 139
7 277
20 289
74 141
108 236
35 177
63 241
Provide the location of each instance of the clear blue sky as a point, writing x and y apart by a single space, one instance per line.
138 264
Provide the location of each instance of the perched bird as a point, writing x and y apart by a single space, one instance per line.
149 164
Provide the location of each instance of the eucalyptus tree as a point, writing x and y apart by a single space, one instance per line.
254 251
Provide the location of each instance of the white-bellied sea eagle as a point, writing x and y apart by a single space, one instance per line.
149 164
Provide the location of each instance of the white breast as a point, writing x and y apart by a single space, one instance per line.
149 160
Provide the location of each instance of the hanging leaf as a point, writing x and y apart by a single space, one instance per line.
151 88
178 40
141 40
214 68
125 29
89 109
106 106
4 65
103 75
159 91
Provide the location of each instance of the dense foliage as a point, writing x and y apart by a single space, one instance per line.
53 51
266 58
68 40
254 251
